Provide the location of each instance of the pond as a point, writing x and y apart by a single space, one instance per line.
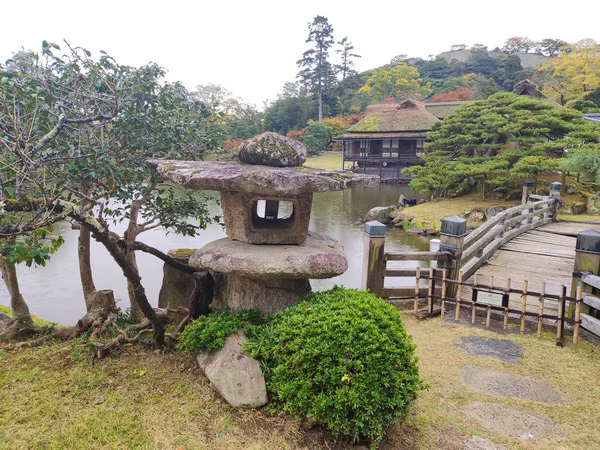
54 292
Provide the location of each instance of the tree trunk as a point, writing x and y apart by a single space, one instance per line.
20 310
137 290
320 107
85 267
130 236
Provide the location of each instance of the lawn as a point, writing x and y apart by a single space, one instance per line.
327 160
51 398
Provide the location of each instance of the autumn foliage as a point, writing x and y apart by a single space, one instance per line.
229 145
297 134
454 96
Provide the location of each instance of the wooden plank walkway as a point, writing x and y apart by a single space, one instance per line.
545 254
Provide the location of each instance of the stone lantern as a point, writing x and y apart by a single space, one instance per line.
269 254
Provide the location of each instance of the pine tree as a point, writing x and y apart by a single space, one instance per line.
346 67
316 71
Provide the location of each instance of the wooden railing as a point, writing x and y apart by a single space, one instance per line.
480 244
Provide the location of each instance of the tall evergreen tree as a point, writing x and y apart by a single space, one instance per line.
316 70
346 66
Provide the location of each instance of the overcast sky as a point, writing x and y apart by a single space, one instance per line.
251 47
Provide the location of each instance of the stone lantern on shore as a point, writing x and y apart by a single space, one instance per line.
269 254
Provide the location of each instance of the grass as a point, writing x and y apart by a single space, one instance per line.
51 398
327 160
580 217
37 320
436 210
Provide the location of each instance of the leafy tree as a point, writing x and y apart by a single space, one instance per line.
316 138
398 81
76 134
519 44
453 96
550 47
346 67
291 111
574 73
317 73
481 86
583 161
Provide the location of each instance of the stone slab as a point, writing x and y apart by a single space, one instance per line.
509 385
318 256
265 180
512 422
501 349
234 374
477 443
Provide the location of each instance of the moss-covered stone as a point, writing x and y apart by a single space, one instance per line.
272 149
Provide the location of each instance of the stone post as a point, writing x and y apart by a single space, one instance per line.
587 259
434 246
452 238
527 189
555 189
373 259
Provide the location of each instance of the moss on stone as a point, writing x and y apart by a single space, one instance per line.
182 252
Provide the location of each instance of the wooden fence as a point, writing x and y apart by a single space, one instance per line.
459 257
497 298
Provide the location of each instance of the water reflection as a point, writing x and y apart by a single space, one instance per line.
54 291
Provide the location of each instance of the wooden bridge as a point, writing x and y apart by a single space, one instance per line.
523 253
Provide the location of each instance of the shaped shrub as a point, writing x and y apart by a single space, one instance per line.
341 357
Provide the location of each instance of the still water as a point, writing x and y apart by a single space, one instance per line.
54 292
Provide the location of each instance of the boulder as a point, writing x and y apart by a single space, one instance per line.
272 149
570 190
382 214
491 211
177 286
4 320
579 208
431 232
416 231
399 219
234 374
593 204
477 216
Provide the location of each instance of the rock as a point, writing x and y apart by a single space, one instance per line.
593 204
262 180
501 349
579 208
491 211
177 286
431 232
508 385
4 320
416 231
318 257
234 374
399 219
477 216
272 149
570 190
380 213
477 443
512 422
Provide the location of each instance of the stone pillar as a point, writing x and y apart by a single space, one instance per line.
373 260
177 286
452 238
587 259
555 189
527 189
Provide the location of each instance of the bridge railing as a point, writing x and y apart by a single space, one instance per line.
459 256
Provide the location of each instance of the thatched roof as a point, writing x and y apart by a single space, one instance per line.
443 109
409 119
528 88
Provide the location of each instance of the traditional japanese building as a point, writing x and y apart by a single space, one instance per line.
392 136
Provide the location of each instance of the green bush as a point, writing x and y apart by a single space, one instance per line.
210 332
341 357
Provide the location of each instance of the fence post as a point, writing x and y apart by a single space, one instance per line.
555 189
373 257
452 238
587 259
527 189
